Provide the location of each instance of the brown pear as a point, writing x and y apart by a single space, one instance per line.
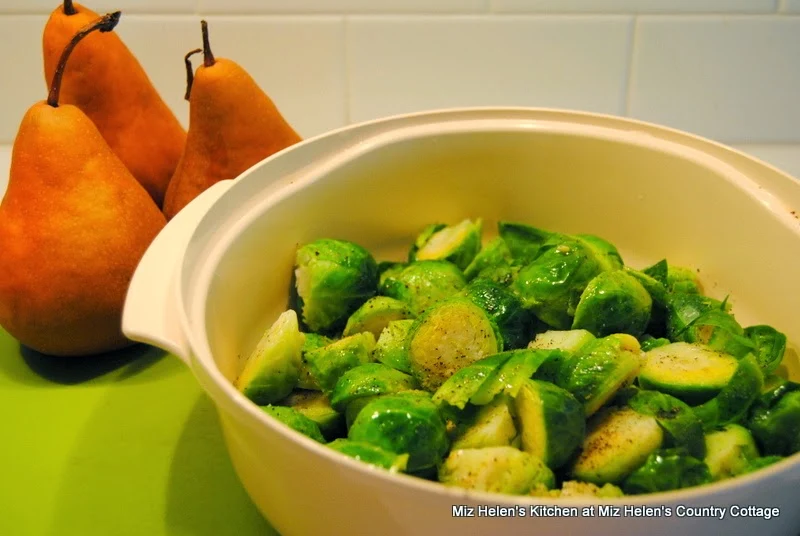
233 125
108 84
74 223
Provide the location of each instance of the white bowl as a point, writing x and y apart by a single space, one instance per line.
219 273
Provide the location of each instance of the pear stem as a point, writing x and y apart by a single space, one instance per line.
208 57
189 71
69 9
105 23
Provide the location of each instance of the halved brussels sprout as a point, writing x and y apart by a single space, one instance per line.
370 454
776 427
551 285
333 278
272 370
495 469
317 407
504 308
422 284
457 243
495 254
735 399
450 336
492 426
718 330
296 421
729 451
604 252
682 279
375 315
665 471
392 346
600 369
311 341
552 422
650 343
691 372
407 423
389 269
613 302
660 297
524 242
770 346
618 441
760 463
575 488
328 363
682 427
462 386
569 340
683 309
370 379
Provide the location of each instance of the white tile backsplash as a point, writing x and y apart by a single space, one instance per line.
735 79
342 6
636 6
102 6
401 64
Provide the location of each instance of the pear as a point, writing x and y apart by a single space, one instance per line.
74 223
233 125
108 84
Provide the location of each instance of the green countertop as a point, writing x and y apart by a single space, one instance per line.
121 444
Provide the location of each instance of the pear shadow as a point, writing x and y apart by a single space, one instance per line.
79 369
205 497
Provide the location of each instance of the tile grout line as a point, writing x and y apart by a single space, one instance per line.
631 56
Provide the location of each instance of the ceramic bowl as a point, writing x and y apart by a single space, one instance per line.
219 274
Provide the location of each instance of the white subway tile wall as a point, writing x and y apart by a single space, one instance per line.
725 69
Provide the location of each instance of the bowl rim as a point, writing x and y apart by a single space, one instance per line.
245 412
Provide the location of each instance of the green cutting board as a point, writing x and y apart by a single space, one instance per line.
120 444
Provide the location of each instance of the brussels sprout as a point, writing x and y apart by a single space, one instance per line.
328 363
392 348
370 379
317 407
681 426
388 270
665 471
504 308
457 243
683 309
311 341
776 428
735 399
659 271
604 252
375 315
296 421
492 426
729 451
333 278
691 372
650 343
523 241
660 297
681 279
370 454
495 469
618 441
272 370
551 286
574 488
407 423
719 331
422 284
423 237
600 369
448 337
461 386
770 346
570 340
355 407
493 255
613 302
552 422
510 377
774 388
